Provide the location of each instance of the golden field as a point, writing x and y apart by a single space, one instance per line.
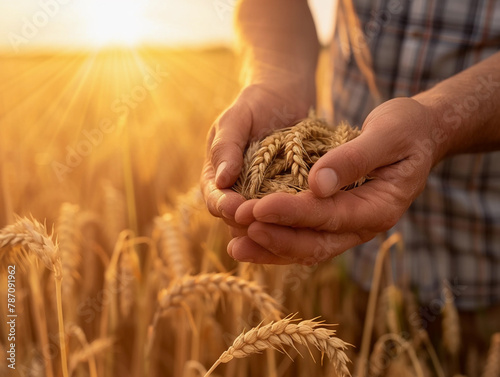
106 148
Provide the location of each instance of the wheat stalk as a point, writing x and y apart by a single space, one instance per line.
451 324
402 345
372 300
88 353
394 305
419 334
492 367
287 332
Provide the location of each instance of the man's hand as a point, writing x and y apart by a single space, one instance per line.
256 112
393 150
279 47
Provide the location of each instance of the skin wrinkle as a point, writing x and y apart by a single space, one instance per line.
331 222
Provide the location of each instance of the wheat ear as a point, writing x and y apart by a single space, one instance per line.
172 245
261 160
287 332
211 283
34 235
68 236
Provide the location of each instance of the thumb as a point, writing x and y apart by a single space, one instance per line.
230 136
351 161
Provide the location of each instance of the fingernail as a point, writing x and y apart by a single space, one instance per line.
327 180
220 170
261 237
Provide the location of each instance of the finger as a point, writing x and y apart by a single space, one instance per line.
246 250
351 161
220 203
229 142
303 246
375 206
244 214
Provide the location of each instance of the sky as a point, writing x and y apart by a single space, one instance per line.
28 24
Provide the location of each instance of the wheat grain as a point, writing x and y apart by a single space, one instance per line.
492 367
34 235
287 332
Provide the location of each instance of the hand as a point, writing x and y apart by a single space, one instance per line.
257 111
394 150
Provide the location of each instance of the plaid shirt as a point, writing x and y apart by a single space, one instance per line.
452 231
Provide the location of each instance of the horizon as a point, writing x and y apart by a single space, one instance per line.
38 25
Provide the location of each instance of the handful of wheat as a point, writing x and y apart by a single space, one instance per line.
281 162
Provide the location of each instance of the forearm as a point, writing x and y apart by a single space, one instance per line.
467 110
278 42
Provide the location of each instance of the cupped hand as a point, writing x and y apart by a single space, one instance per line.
396 149
257 111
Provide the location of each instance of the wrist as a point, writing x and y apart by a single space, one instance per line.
288 97
440 136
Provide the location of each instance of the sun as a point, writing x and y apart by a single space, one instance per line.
115 22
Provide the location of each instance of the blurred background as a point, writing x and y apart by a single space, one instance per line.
104 110
156 72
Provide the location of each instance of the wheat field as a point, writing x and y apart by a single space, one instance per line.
121 271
